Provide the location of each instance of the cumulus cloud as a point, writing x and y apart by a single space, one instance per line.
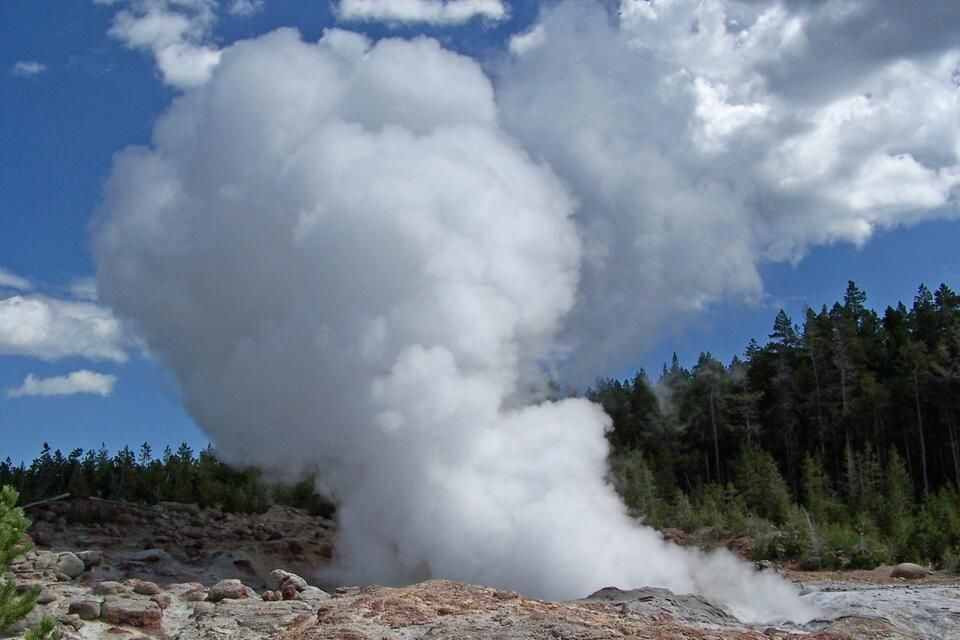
48 328
175 32
9 280
704 137
352 268
27 68
83 381
439 12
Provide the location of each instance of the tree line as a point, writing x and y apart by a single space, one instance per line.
842 428
174 476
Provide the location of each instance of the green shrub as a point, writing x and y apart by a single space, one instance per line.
951 560
762 487
14 606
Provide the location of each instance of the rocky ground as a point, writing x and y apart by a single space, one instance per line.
176 571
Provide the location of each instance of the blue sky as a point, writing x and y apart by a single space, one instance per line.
88 96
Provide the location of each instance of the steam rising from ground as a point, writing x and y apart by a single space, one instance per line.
350 267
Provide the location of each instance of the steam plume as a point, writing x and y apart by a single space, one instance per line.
351 268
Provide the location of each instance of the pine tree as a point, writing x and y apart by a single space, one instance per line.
636 484
762 487
818 495
14 606
895 518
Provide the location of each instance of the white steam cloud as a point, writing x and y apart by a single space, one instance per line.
351 268
358 257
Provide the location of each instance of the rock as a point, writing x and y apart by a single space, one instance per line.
151 555
278 579
909 570
314 593
203 609
90 558
71 620
651 601
198 594
44 560
134 612
106 588
289 592
86 609
47 596
163 600
228 589
146 588
272 596
70 565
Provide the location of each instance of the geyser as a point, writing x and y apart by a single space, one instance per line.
351 268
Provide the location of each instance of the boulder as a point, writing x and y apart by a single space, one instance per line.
106 588
272 596
146 588
278 579
70 565
163 600
651 601
70 620
44 560
90 558
314 593
86 609
47 596
909 570
231 589
134 612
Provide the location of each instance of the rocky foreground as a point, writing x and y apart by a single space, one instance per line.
176 571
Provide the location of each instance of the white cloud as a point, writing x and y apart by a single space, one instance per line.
49 328
175 32
246 7
704 137
440 12
83 381
528 40
27 68
10 280
84 289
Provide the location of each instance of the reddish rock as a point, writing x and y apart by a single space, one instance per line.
228 589
289 592
163 600
133 612
146 588
86 609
